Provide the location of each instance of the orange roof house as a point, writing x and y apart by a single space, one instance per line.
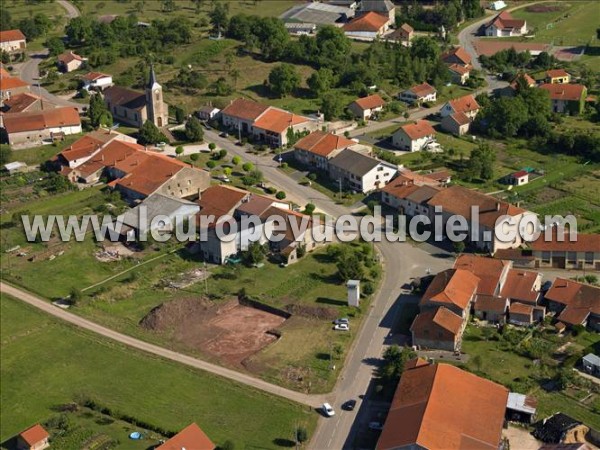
491 272
278 121
33 438
558 76
190 438
437 328
241 108
323 144
27 127
11 35
453 288
504 24
23 102
576 303
457 55
365 107
439 406
418 130
466 104
566 97
367 24
7 83
414 136
12 41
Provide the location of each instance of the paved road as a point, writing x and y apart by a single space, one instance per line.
156 350
402 262
415 115
29 70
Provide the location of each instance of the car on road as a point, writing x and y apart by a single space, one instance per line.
349 405
340 321
375 426
224 178
341 327
327 410
224 134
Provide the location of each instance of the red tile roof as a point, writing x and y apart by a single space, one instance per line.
459 53
488 270
452 286
245 109
457 68
20 102
93 76
278 121
569 92
39 120
422 90
86 146
110 155
460 118
581 243
11 83
491 303
190 438
11 35
3 72
69 56
520 308
431 320
370 102
504 21
323 144
34 434
519 174
418 130
521 285
525 77
464 104
458 200
439 406
557 73
370 21
579 300
220 200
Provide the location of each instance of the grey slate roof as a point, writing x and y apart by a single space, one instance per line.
355 163
126 98
380 6
592 359
157 204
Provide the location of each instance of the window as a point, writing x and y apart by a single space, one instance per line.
589 257
572 257
546 257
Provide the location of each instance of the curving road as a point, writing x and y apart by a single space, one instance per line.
154 349
29 70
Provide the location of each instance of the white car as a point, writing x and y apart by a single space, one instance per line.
328 410
342 327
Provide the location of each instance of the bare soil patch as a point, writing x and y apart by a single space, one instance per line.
544 8
229 331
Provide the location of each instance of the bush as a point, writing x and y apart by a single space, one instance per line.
312 176
179 150
248 167
222 153
195 156
236 160
271 190
280 195
211 164
284 165
309 209
368 288
212 146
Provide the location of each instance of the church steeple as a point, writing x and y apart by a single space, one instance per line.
157 110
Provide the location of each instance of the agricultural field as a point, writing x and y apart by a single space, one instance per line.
40 354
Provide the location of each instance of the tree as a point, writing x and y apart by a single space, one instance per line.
219 16
222 88
424 47
280 195
284 79
179 114
194 132
332 106
150 134
301 435
55 46
394 359
321 81
195 156
179 150
350 267
481 162
222 153
309 209
75 295
5 20
79 30
248 167
98 113
254 255
236 160
168 5
459 246
333 46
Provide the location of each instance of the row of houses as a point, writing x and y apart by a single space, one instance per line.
130 168
344 160
496 292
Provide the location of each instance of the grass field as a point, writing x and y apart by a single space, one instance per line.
574 23
46 363
38 155
20 9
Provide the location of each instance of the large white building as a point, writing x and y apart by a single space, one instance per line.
360 172
33 128
505 25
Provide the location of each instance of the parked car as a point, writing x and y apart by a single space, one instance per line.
375 426
341 327
349 405
328 410
224 178
340 321
224 134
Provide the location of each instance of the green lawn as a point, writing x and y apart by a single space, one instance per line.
38 155
46 363
574 23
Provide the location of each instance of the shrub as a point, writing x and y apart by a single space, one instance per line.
284 165
195 156
236 160
211 164
368 288
280 195
179 150
309 208
312 176
212 146
222 153
248 167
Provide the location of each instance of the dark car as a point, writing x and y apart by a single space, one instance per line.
349 405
